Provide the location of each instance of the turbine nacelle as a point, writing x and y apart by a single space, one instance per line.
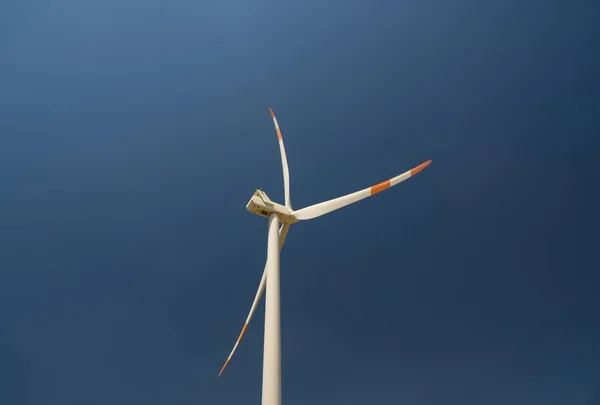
260 204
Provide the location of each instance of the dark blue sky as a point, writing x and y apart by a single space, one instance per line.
133 134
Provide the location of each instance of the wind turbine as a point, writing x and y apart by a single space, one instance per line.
261 204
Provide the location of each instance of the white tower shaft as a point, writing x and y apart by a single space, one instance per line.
271 384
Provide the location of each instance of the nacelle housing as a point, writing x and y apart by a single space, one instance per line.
260 204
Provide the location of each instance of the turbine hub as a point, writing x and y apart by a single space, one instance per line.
260 204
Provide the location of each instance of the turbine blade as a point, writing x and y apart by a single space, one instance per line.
326 207
284 164
261 288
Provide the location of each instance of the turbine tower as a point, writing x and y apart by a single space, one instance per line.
261 204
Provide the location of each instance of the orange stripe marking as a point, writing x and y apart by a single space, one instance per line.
276 126
223 368
243 331
238 341
420 167
380 187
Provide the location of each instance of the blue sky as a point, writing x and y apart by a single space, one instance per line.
133 134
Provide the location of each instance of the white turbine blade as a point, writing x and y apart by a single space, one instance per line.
326 207
261 288
284 164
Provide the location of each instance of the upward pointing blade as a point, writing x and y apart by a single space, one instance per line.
325 207
284 164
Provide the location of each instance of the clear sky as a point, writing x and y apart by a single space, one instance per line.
133 133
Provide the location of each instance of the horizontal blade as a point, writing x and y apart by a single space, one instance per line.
261 288
326 207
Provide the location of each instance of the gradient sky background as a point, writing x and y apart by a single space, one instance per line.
134 132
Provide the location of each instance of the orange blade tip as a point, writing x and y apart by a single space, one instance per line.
272 113
223 368
420 167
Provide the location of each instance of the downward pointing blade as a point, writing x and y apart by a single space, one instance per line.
326 207
283 231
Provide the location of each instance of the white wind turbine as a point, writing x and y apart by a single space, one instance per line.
261 204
